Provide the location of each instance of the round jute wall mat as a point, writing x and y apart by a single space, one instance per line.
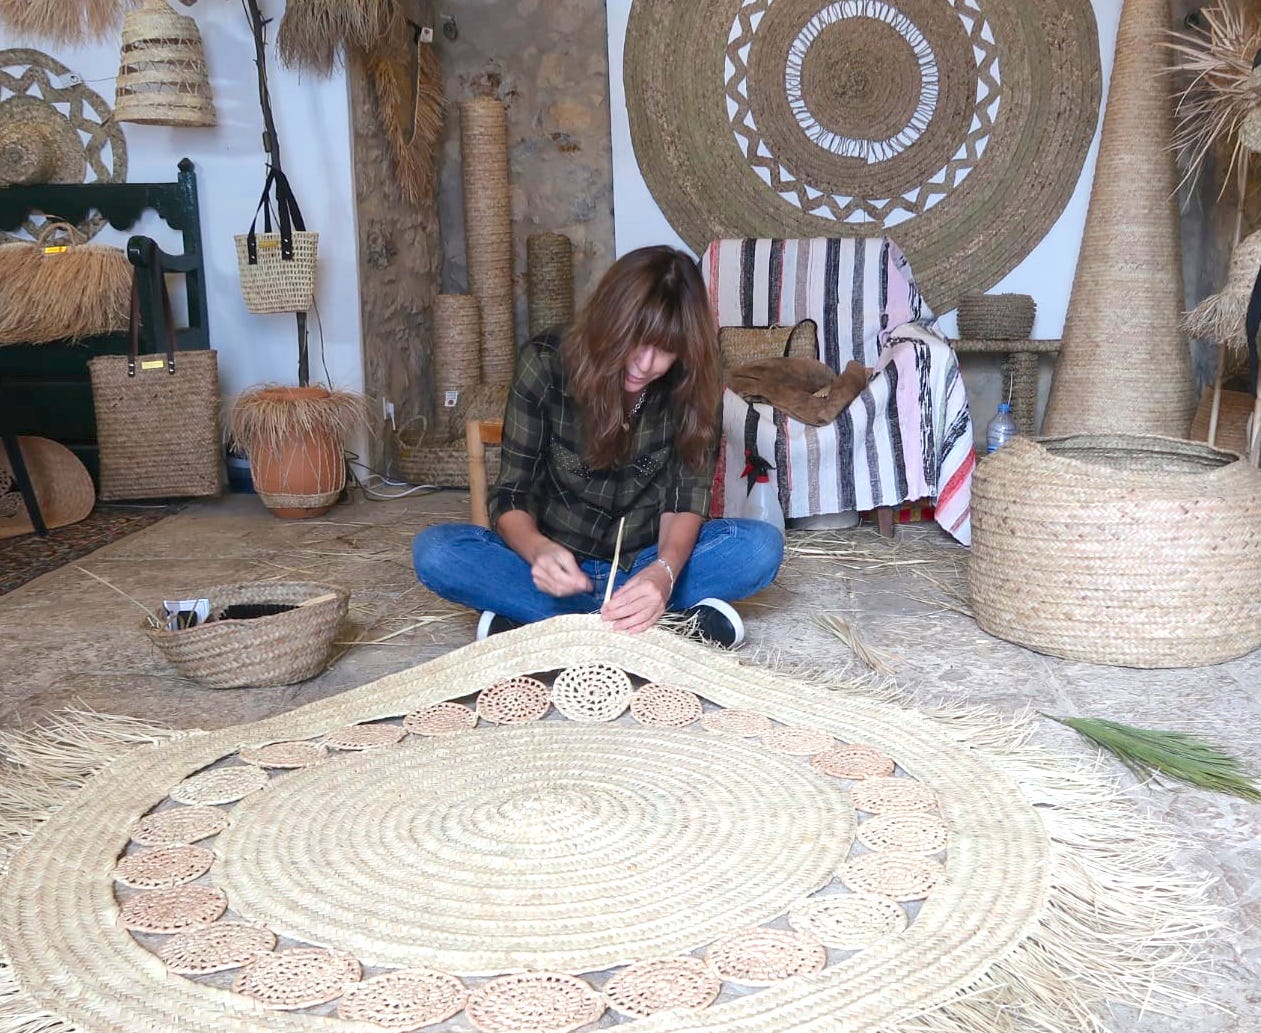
960 129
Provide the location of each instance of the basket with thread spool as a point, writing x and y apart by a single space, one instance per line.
162 76
58 287
441 459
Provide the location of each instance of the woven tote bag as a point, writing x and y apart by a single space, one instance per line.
744 344
157 416
277 268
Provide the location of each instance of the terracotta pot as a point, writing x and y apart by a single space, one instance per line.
302 475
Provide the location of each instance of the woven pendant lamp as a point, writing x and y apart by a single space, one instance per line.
162 77
1124 364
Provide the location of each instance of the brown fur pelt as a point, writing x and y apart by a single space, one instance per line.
806 389
313 33
411 114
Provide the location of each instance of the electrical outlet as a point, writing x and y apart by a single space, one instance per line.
387 410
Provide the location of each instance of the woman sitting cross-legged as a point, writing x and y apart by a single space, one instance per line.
615 419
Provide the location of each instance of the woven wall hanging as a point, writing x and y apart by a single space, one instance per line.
75 139
958 128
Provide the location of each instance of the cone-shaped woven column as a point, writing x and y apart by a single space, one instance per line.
1124 364
488 230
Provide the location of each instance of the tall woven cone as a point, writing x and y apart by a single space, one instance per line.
1124 364
488 230
162 75
457 328
549 266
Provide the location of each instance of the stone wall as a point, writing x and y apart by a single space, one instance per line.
547 60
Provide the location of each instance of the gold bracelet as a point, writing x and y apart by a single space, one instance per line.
670 571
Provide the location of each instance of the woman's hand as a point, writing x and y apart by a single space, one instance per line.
637 604
556 572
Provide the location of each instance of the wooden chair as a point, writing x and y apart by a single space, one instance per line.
478 434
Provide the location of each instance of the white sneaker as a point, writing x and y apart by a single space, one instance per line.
492 623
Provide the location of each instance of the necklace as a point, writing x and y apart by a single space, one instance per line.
639 404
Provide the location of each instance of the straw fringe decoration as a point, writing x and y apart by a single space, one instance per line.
312 32
69 22
1108 918
79 291
488 230
412 124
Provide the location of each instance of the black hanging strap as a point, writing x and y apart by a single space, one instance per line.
1251 324
287 211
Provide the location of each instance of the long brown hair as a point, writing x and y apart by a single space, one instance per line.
653 296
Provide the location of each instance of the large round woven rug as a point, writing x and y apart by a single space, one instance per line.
959 127
566 828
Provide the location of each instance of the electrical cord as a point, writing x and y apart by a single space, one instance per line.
375 480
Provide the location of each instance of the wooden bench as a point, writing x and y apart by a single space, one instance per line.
44 388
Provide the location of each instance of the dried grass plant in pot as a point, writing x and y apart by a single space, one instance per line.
294 437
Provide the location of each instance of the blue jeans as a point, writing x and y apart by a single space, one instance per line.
473 566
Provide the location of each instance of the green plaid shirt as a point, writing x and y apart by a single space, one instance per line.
541 467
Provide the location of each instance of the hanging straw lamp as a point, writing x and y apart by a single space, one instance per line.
162 76
1124 363
69 22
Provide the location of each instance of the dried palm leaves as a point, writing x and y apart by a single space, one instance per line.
404 69
62 21
411 113
313 32
1223 91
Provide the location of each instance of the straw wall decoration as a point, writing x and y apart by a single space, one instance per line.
69 22
958 128
535 873
314 33
1124 364
457 331
162 76
409 105
549 266
488 230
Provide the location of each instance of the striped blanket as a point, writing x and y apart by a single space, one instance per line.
907 436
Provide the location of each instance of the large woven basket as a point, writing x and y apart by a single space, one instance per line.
281 649
1138 551
996 316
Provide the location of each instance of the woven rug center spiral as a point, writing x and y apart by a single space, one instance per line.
552 846
959 127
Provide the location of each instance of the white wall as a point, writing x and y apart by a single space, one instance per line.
1047 273
313 123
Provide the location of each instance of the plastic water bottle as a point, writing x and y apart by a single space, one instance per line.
1001 429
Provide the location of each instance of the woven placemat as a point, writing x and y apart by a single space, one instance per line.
568 848
960 129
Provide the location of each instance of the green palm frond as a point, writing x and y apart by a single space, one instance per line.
1150 753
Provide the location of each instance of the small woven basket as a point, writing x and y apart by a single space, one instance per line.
275 284
254 652
1005 317
1131 550
424 457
